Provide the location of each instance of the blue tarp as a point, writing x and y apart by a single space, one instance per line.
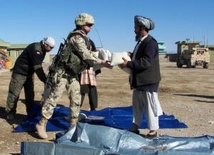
88 139
117 117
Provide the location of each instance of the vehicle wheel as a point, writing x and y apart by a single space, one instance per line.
205 65
188 64
194 65
179 65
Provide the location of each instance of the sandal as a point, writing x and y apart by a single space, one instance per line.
152 134
136 131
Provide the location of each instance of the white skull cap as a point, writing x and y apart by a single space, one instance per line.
50 41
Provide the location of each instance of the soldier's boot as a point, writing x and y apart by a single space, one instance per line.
10 113
41 128
10 116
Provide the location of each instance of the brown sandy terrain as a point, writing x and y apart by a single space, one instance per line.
185 93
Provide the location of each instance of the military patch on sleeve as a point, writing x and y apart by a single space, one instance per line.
78 36
79 39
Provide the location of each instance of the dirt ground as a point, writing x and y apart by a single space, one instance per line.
186 93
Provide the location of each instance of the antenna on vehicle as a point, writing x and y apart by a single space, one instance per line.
207 39
204 41
193 36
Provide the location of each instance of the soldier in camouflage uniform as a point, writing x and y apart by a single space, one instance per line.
75 57
28 63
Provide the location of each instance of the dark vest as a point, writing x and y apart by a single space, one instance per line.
25 62
149 75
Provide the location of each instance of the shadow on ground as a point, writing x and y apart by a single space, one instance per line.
199 96
18 117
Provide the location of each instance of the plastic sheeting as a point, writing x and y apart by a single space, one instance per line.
102 140
117 117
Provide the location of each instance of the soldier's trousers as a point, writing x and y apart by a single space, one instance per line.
73 90
17 82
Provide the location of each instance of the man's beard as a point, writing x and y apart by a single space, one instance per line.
137 37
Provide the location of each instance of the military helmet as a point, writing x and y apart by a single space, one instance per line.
84 19
143 21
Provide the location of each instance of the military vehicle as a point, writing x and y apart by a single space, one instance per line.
192 54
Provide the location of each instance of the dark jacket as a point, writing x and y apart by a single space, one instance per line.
145 68
30 61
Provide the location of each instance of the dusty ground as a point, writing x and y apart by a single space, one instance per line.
186 93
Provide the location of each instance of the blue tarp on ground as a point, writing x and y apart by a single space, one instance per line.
117 117
88 139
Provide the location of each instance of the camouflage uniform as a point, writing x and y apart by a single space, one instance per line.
74 57
65 78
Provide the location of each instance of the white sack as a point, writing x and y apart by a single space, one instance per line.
116 59
102 54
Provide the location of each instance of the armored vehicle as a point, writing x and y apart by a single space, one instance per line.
192 55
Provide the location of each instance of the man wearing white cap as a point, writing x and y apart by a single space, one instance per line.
145 77
28 63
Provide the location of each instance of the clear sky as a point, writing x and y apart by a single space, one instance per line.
26 21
